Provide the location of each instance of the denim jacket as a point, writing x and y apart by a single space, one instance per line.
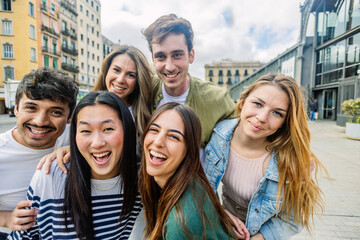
261 215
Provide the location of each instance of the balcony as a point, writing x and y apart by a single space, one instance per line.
52 13
73 36
70 51
50 30
65 32
46 50
69 67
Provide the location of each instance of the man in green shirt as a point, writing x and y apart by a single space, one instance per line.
170 41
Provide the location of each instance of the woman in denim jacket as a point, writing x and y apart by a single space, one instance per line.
264 161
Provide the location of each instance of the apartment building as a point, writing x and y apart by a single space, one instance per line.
18 27
69 47
226 73
107 46
89 41
49 36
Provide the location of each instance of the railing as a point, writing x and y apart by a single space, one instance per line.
50 30
65 32
73 36
69 67
46 49
70 51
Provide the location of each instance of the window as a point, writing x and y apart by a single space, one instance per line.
92 17
81 22
97 33
92 3
92 30
6 5
55 63
63 26
32 31
98 46
53 9
7 27
211 73
73 62
9 73
210 80
81 8
98 58
220 80
81 37
93 43
87 13
246 72
93 56
54 43
97 8
46 61
82 51
72 46
8 50
65 59
64 43
93 69
33 54
82 65
97 21
31 9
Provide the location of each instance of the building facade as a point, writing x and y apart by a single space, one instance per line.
327 57
89 41
69 46
19 49
49 34
107 46
226 73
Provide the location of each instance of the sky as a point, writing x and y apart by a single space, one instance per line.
240 30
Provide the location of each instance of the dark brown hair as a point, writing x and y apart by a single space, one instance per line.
48 83
159 202
165 25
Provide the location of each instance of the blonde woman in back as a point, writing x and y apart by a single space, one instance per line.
264 161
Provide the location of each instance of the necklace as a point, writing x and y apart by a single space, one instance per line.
105 189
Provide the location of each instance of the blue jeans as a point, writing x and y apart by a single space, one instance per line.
312 116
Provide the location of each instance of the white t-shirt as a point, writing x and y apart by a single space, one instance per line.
18 165
179 99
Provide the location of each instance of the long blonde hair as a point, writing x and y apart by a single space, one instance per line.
141 98
299 191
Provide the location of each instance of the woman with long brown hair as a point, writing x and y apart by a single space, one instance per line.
264 160
178 200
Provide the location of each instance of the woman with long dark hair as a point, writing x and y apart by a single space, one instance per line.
98 199
178 200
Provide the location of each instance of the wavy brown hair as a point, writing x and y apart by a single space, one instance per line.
299 191
159 202
141 98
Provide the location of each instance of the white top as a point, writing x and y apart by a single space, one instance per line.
18 165
167 98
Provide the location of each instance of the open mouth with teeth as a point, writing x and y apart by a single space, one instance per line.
118 87
171 75
101 158
38 133
157 158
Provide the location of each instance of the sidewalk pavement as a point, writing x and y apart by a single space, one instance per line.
341 157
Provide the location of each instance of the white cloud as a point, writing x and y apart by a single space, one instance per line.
241 30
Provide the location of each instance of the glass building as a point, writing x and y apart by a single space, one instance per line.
327 56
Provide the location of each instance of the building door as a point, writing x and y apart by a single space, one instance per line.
329 103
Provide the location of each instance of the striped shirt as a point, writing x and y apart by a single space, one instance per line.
46 192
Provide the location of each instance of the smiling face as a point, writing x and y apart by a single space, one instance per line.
39 122
171 60
164 146
99 137
263 112
121 76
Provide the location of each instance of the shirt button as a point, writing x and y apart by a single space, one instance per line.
256 210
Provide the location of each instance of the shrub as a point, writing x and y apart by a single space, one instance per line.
351 108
